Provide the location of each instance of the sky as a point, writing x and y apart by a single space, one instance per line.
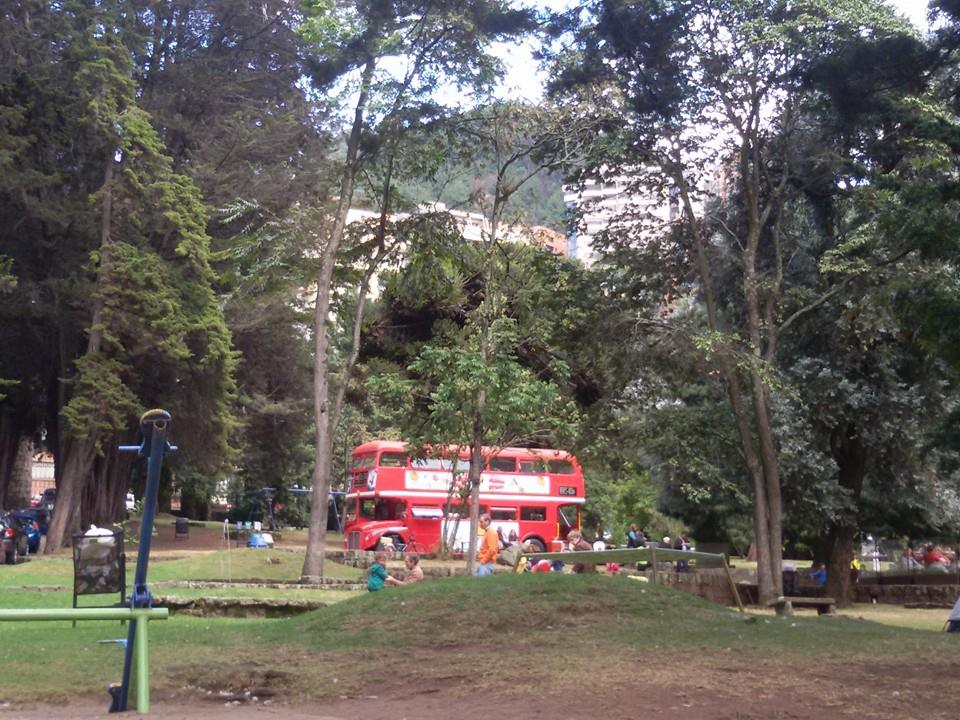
525 81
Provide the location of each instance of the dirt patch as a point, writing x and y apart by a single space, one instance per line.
167 541
667 687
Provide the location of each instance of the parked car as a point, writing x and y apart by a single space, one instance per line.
48 499
13 539
32 529
38 515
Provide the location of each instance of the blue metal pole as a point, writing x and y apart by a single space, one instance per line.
153 426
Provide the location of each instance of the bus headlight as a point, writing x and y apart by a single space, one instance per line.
372 479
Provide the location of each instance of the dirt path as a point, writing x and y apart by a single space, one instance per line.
699 691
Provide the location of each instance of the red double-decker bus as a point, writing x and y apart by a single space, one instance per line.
398 500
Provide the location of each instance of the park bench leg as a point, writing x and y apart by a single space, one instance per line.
785 609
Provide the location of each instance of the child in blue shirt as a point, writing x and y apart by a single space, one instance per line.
820 575
378 577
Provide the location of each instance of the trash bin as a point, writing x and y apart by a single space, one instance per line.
182 527
99 566
790 582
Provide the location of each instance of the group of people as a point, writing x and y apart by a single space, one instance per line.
492 543
378 577
929 557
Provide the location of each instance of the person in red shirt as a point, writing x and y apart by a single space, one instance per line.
489 548
932 556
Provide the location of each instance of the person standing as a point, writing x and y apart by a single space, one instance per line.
489 548
819 576
682 543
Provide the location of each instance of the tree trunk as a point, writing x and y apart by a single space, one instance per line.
847 449
771 479
21 475
317 535
9 444
103 499
81 448
767 535
77 458
476 467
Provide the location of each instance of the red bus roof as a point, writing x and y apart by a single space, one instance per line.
398 446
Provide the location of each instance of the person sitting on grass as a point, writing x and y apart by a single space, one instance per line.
414 571
377 577
576 543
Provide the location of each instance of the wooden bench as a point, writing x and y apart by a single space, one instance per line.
784 605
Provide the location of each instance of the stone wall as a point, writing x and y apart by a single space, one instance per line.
932 595
711 585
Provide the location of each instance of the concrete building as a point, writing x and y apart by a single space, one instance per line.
601 205
476 226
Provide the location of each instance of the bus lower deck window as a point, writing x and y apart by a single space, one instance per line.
533 513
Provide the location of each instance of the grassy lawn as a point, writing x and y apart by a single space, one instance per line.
234 566
47 582
897 616
448 628
244 564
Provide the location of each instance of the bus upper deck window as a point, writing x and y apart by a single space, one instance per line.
503 464
533 466
430 463
365 460
561 467
393 459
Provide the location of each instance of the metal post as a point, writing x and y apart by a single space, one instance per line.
733 585
153 426
653 562
143 669
93 613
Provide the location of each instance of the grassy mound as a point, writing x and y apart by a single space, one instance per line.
578 611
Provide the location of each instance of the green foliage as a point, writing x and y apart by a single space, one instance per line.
460 185
849 213
518 408
113 310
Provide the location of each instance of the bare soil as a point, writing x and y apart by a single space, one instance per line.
165 541
670 688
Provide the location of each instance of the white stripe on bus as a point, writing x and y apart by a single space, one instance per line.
413 495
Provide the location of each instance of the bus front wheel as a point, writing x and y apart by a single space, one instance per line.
535 544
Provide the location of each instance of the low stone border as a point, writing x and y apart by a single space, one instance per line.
326 584
236 607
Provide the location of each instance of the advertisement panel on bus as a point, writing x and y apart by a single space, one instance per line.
415 503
